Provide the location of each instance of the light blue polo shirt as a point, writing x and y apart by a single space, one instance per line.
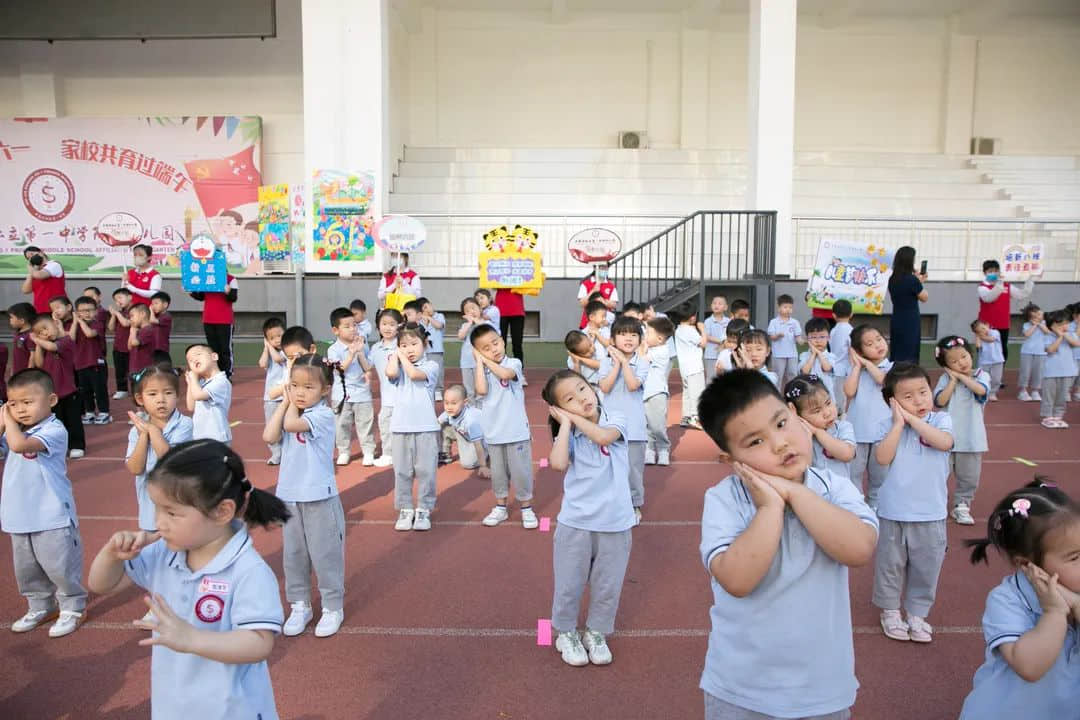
435 335
36 492
915 486
492 314
717 329
468 362
178 429
504 415
965 408
306 473
785 649
773 377
364 329
785 346
843 431
656 381
631 405
468 423
211 416
839 345
414 406
1072 331
1061 363
1034 344
591 375
275 376
991 353
596 489
236 590
688 350
379 353
868 409
356 384
829 378
1012 609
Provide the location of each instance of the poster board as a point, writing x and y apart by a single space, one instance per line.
1021 262
850 270
342 222
275 238
509 260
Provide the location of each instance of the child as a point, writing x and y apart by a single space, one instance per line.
598 328
470 318
715 333
314 536
434 323
55 354
839 345
388 322
658 447
37 507
1074 330
609 316
785 333
752 352
91 375
209 394
913 447
740 310
834 439
141 338
214 604
962 391
816 359
725 361
351 395
119 325
463 423
1031 616
217 318
1058 371
623 376
161 319
358 308
61 309
689 341
411 311
273 360
102 316
777 538
991 356
1032 353
488 310
868 358
21 318
414 428
156 389
592 538
506 426
583 356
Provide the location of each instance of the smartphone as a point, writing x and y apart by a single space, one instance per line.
922 268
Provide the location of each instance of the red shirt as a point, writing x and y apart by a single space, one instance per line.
605 289
23 346
510 303
217 310
996 313
140 280
60 366
163 331
45 290
821 313
143 353
87 349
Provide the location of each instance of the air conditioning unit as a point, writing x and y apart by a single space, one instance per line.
633 140
985 146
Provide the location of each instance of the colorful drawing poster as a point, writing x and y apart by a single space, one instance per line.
275 244
1020 262
342 223
852 271
298 223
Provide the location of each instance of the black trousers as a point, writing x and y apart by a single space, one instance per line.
1005 343
219 338
68 410
120 365
515 325
93 385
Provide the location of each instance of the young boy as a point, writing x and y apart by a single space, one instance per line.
38 507
715 334
62 312
609 316
839 346
777 506
209 394
434 323
464 424
657 334
816 359
689 343
785 333
488 310
102 314
358 308
351 392
21 318
725 359
91 374
161 319
583 356
740 310
141 337
411 311
506 427
54 353
273 361
470 318
120 326
912 502
991 354
597 326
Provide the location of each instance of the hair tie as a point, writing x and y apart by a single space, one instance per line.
813 378
1020 506
245 485
793 393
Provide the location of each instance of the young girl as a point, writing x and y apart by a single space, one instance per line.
388 322
725 358
273 360
592 538
314 537
868 359
1032 353
415 428
834 440
213 600
1059 370
1074 330
752 351
963 390
470 318
156 390
1031 618
991 354
689 342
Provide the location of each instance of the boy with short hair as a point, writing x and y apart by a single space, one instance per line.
597 327
471 317
209 395
715 334
840 347
358 308
816 359
273 360
658 332
120 326
351 391
162 320
411 311
91 374
434 323
583 356
54 352
991 354
21 318
94 293
740 310
62 312
784 333
464 424
141 338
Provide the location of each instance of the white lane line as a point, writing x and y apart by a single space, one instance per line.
456 523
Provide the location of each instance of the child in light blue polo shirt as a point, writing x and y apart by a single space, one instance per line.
914 444
209 394
470 319
785 333
817 359
839 346
1032 353
834 439
991 354
37 507
624 373
488 310
351 394
216 594
584 355
658 333
767 566
868 360
962 391
1074 330
1059 371
715 334
435 325
463 423
273 360
388 322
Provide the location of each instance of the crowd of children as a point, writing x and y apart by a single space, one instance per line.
800 437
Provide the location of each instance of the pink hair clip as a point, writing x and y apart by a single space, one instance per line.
1020 507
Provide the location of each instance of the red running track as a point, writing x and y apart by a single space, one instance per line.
442 624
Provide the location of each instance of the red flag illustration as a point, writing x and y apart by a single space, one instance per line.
225 183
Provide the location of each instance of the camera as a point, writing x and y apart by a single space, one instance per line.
37 260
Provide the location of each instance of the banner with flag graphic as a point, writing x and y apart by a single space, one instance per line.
86 189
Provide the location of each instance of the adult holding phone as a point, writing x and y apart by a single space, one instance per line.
44 278
906 291
143 281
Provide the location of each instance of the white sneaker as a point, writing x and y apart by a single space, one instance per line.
438 395
343 458
298 619
1023 396
962 514
663 458
119 395
76 454
1035 396
88 418
32 619
274 459
102 419
423 520
368 461
528 519
68 623
637 516
573 652
596 644
404 519
650 457
383 461
329 623
498 514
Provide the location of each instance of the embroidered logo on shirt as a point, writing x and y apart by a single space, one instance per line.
30 455
209 608
605 451
212 585
504 383
300 439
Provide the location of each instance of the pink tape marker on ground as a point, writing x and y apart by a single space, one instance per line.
545 524
543 632
543 462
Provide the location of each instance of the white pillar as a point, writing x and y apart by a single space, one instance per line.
772 118
958 103
694 106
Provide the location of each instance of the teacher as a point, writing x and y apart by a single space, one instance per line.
511 307
399 278
44 278
597 281
142 280
906 291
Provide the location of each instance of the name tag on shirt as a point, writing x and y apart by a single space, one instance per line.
212 585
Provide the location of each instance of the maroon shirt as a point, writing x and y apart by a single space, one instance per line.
3 371
103 318
121 333
143 353
88 352
163 331
24 345
60 366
